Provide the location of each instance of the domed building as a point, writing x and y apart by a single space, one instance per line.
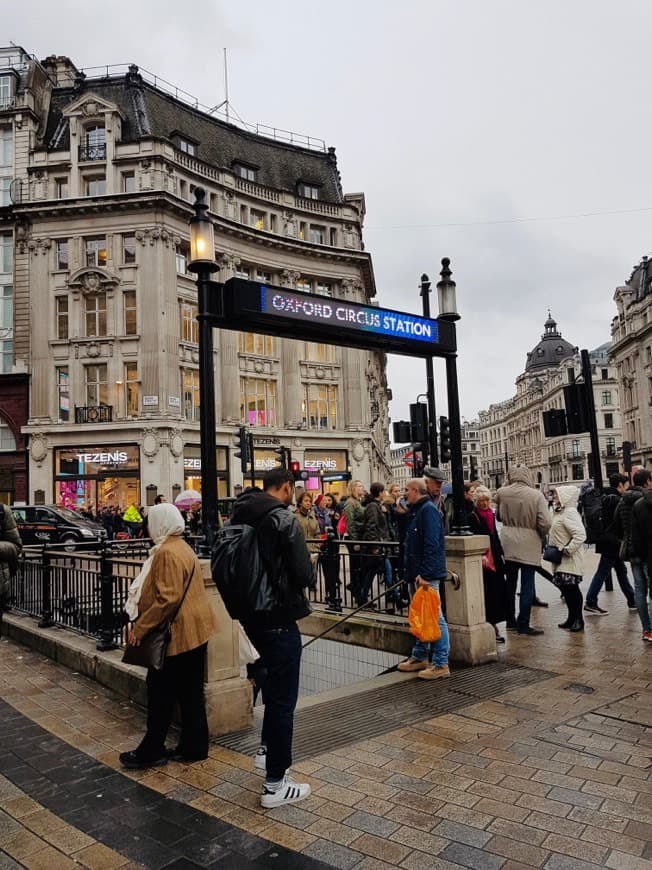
511 431
550 351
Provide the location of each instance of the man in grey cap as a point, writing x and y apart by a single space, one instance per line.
435 478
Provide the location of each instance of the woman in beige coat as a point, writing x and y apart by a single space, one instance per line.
568 535
172 574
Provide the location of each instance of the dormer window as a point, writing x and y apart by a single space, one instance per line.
309 191
93 146
243 170
185 145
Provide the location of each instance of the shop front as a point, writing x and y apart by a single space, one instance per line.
264 460
192 469
327 471
97 476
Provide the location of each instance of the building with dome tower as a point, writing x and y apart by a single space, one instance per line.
511 431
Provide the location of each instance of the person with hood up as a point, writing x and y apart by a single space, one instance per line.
567 533
171 582
624 530
523 512
274 632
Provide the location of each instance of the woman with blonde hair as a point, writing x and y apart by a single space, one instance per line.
354 514
483 522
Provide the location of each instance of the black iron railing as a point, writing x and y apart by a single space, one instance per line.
93 413
92 152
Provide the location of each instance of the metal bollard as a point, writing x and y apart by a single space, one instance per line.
105 640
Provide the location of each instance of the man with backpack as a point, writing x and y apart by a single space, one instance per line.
631 551
10 547
598 517
271 625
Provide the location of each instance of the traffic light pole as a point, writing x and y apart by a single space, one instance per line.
430 381
587 376
252 459
460 524
208 447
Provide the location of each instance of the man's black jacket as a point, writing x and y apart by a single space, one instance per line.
283 549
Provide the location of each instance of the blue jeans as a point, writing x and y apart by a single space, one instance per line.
642 593
605 565
280 654
437 652
527 592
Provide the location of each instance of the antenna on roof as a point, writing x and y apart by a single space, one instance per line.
225 102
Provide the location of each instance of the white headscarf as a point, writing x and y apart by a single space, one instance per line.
163 521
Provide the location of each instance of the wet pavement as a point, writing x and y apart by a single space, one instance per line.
553 773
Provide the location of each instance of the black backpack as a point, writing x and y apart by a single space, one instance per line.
591 507
240 573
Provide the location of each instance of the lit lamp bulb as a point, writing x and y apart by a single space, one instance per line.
202 238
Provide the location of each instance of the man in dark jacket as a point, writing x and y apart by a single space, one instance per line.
425 565
10 547
642 528
623 529
275 633
608 546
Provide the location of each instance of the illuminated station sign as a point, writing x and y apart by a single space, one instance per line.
253 306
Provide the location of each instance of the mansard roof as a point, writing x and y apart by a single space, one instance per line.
149 112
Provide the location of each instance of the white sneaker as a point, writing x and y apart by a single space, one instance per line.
260 759
287 792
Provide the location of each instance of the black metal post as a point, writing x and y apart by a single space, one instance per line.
105 640
587 377
204 264
207 413
430 381
252 459
460 524
46 591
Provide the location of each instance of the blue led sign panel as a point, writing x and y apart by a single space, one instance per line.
321 310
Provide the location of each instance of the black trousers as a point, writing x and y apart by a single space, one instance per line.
181 681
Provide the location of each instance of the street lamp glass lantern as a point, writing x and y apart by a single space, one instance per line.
447 293
202 236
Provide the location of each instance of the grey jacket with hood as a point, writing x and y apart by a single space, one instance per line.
523 512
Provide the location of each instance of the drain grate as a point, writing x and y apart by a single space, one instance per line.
334 724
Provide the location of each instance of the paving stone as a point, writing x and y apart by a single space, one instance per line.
384 850
422 861
409 783
575 848
371 824
598 819
517 850
522 832
461 833
554 824
336 832
431 843
565 862
544 805
292 815
502 810
467 856
463 815
333 854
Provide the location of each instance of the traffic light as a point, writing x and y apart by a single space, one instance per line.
401 431
444 439
554 423
474 468
242 444
627 456
419 422
283 454
295 468
577 412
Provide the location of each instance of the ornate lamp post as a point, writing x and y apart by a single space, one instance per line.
446 293
202 262
430 380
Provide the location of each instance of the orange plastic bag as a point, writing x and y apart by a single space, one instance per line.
423 615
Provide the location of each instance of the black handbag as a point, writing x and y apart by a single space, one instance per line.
151 651
552 554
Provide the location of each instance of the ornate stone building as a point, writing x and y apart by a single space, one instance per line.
511 432
96 210
631 354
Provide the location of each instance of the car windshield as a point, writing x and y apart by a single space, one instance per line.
67 514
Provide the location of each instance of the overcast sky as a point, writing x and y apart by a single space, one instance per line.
513 137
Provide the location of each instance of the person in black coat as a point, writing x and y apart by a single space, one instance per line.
483 522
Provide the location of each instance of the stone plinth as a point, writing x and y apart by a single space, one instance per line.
473 640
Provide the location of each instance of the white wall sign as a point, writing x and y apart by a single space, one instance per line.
174 401
150 401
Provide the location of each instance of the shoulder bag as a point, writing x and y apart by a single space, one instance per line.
151 651
553 554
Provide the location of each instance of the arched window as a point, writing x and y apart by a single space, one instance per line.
94 144
7 440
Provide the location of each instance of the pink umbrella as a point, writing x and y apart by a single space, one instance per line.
187 499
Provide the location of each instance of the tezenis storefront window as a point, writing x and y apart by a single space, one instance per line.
97 476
